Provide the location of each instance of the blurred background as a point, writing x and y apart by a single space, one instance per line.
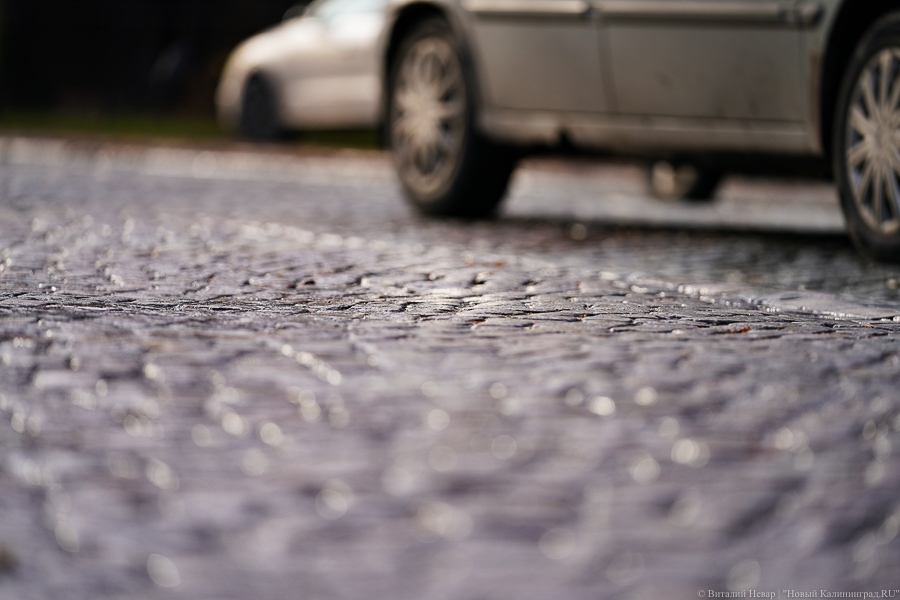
121 65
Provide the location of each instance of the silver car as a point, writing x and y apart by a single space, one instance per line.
470 81
468 86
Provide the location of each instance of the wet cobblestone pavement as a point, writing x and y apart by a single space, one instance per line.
276 383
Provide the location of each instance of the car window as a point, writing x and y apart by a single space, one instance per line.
329 9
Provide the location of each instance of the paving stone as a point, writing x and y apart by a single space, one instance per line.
287 386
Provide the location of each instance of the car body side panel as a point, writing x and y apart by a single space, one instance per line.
704 71
328 71
767 126
536 87
341 101
721 59
693 84
540 64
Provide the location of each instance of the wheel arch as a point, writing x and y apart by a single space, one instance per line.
853 20
406 19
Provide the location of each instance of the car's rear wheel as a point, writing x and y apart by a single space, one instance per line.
867 142
446 167
259 111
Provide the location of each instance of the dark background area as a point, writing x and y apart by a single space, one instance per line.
113 56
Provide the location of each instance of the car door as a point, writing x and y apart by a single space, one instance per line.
537 54
708 59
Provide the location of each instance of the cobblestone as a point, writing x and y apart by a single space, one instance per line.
279 386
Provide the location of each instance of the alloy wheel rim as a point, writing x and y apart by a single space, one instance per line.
428 114
873 142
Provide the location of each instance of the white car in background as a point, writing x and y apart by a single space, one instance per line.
317 69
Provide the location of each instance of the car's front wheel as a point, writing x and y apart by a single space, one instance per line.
867 142
259 111
446 167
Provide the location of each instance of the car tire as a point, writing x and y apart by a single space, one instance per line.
445 165
866 145
259 120
682 181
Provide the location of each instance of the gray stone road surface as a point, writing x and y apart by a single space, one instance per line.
256 375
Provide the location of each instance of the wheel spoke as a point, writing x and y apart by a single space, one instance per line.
429 71
448 111
408 101
449 81
858 153
412 75
893 160
401 128
878 193
861 123
419 157
885 66
867 83
863 182
431 155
